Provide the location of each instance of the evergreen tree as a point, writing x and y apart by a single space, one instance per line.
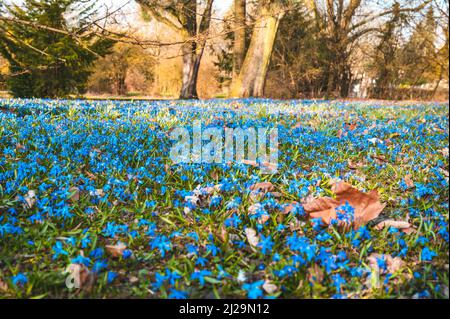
419 53
44 63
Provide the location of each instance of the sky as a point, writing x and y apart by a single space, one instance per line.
221 6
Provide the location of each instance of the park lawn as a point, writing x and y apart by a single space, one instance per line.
89 185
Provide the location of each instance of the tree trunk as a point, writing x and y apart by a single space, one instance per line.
239 36
190 72
193 50
251 79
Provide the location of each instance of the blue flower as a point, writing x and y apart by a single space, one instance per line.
427 254
200 275
81 260
20 279
111 276
162 243
58 249
266 244
254 290
178 294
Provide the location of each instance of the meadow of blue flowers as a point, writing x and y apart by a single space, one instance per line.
90 184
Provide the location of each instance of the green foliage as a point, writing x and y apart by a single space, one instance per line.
301 57
46 63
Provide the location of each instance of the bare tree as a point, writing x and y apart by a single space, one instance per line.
239 35
184 16
252 76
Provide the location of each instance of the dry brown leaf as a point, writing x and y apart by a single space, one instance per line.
315 274
408 181
30 199
269 287
409 230
3 286
444 151
379 159
289 207
223 235
353 165
341 133
262 187
75 194
215 175
90 175
133 279
393 223
276 194
116 250
84 279
367 206
393 264
252 210
252 237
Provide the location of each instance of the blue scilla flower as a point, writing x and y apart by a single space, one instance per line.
200 276
58 250
111 276
427 254
162 243
178 294
20 279
81 260
338 281
254 290
266 244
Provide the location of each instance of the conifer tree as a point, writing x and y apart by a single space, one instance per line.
49 64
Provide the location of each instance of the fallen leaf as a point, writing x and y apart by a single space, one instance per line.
194 200
276 194
367 206
408 181
393 223
133 279
392 264
91 176
215 175
116 250
82 276
254 208
74 194
223 235
252 237
289 207
444 151
3 286
30 199
409 230
269 287
353 165
379 159
262 187
315 274
351 126
341 133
